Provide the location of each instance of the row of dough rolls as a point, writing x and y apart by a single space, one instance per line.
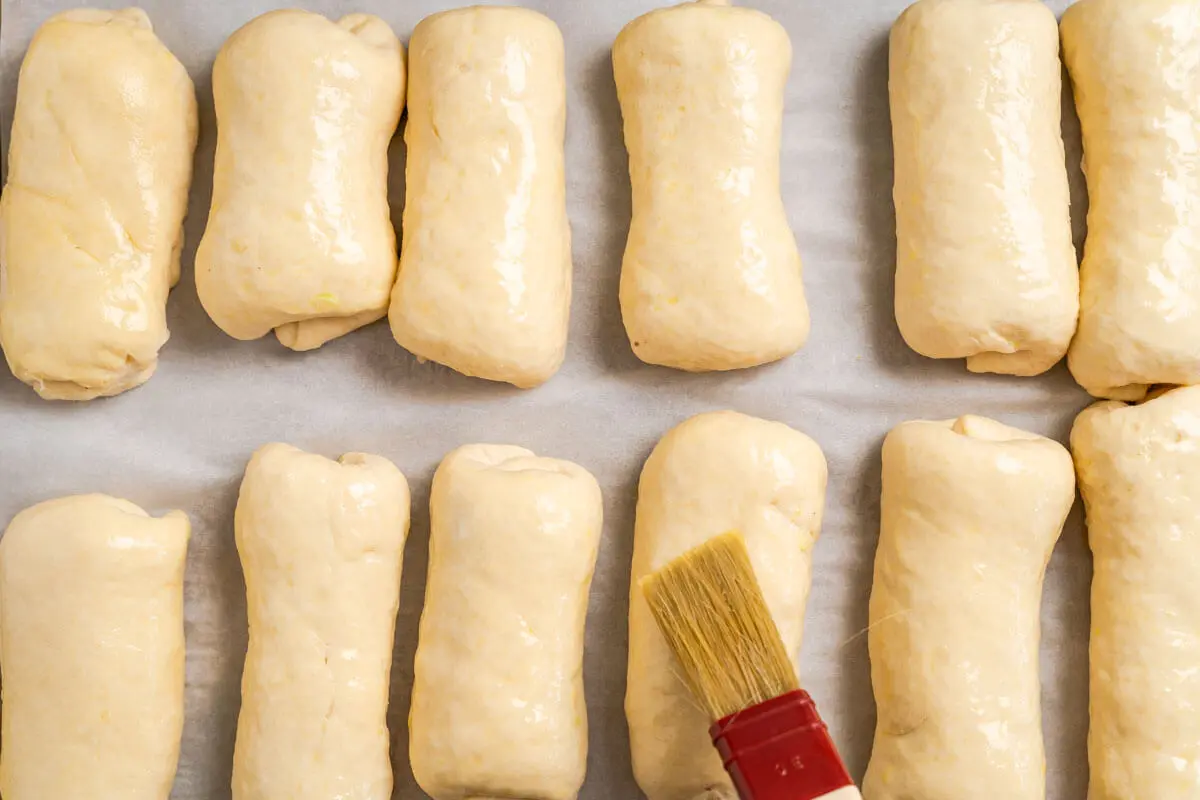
971 511
985 266
299 238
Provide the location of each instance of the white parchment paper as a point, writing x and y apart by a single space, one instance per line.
183 440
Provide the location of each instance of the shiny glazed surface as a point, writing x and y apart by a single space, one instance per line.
711 277
985 266
92 651
321 544
1135 68
299 236
970 513
714 473
485 263
100 160
1139 473
497 704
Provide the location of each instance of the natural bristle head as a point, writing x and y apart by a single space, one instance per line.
711 612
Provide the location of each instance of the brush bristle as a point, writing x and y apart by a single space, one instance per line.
711 611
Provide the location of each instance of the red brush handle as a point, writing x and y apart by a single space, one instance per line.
780 750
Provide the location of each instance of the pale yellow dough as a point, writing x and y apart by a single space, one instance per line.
91 650
1139 473
99 165
485 263
299 236
971 511
497 704
321 544
714 473
985 266
1137 91
711 278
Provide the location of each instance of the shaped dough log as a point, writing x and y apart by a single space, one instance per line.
91 221
985 266
971 511
497 704
1137 91
299 237
485 264
711 278
91 649
714 473
321 544
1139 473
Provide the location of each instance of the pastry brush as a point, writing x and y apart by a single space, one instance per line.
709 607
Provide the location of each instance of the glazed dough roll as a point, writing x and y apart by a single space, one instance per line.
1139 473
1137 91
985 265
91 220
714 473
91 650
485 264
321 544
497 704
711 278
971 511
299 236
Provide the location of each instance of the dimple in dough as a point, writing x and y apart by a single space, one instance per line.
1139 474
91 649
714 473
485 265
321 544
970 514
299 236
91 220
711 278
497 704
1137 91
985 265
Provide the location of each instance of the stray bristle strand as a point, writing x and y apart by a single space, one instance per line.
710 609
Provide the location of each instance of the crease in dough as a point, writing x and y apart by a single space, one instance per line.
716 472
321 544
1137 91
971 510
299 237
985 266
91 218
91 650
484 283
1139 474
711 278
498 704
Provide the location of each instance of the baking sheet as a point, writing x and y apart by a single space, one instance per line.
183 440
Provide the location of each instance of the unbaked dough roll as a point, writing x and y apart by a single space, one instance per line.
321 544
91 650
1137 91
497 704
971 511
985 265
714 473
711 278
91 221
299 236
1139 473
485 264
